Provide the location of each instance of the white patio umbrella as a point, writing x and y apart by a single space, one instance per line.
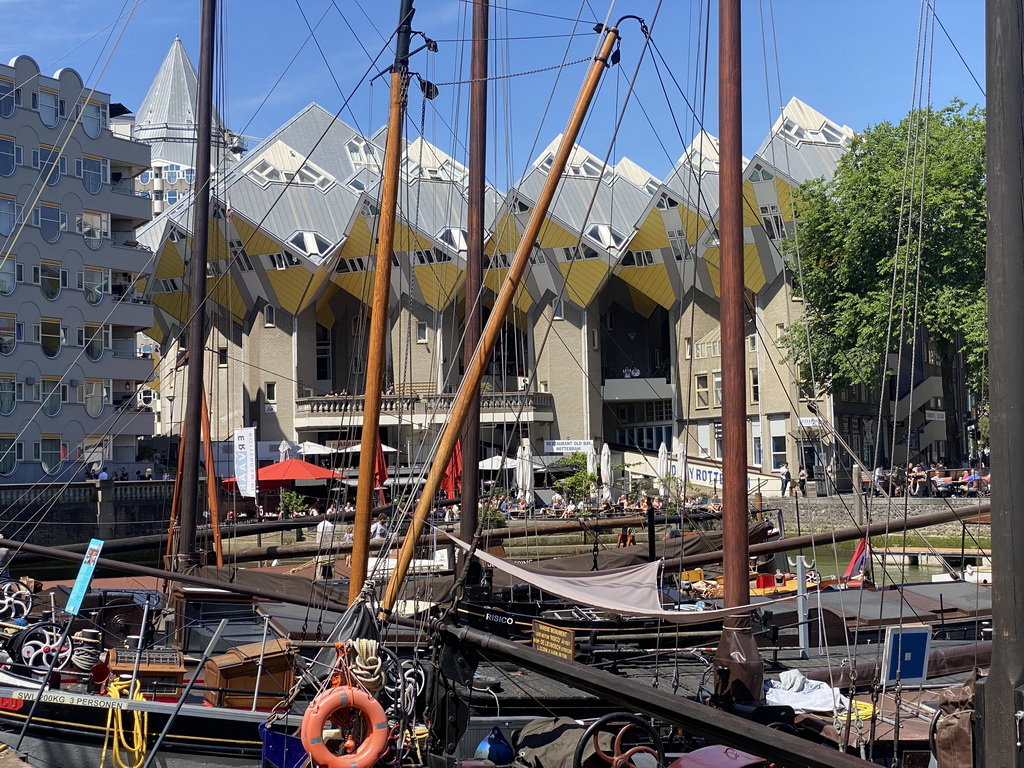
592 466
284 450
662 470
524 471
314 449
606 471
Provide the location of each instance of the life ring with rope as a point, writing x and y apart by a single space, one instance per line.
326 708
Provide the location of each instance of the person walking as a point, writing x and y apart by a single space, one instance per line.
786 476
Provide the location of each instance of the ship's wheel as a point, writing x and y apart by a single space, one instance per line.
41 647
15 599
643 739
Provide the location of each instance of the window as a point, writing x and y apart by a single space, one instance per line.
95 117
559 309
222 357
8 395
171 173
171 196
51 336
93 227
97 395
94 171
680 248
718 439
10 274
778 435
708 349
269 315
240 256
755 443
95 284
687 348
609 237
637 258
755 386
760 174
360 152
50 164
701 389
51 453
665 202
9 335
716 379
421 333
772 221
7 105
454 238
10 215
324 353
49 105
283 260
10 453
51 222
51 278
53 394
310 243
270 388
10 156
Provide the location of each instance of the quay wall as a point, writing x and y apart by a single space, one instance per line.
58 514
823 514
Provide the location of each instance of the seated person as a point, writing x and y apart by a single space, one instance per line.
943 485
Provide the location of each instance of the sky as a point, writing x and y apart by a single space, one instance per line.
853 62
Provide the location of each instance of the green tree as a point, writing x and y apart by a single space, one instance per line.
893 242
577 485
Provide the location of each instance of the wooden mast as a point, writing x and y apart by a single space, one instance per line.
489 337
474 260
189 475
376 354
1000 698
730 233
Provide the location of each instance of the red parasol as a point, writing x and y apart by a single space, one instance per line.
380 472
451 483
284 474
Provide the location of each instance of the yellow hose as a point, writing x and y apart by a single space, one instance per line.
133 743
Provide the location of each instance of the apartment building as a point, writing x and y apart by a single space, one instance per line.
73 279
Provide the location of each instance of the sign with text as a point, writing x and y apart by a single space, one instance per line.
567 446
554 641
934 415
245 461
92 554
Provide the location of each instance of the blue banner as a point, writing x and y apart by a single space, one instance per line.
84 576
245 461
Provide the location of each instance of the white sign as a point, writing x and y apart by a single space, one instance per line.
810 421
934 415
245 461
567 446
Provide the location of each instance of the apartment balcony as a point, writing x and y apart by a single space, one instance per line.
322 413
621 390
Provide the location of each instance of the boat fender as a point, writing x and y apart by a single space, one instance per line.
327 704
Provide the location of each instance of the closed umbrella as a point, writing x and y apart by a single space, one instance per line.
524 471
606 471
591 460
451 483
380 472
662 469
284 448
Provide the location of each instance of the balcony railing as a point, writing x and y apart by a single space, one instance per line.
514 402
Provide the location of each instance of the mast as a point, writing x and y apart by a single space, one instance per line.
474 260
730 232
738 662
1001 698
489 336
189 476
376 353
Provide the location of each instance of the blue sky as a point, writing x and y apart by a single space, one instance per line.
854 62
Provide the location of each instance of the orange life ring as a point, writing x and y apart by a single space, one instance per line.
327 704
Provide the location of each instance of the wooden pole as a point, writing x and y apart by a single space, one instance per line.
474 260
1002 697
189 474
376 353
730 232
489 337
211 481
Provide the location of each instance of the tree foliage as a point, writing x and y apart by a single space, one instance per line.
578 485
894 242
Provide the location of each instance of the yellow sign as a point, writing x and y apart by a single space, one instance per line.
554 641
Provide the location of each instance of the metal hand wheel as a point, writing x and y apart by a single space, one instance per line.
813 577
39 646
619 724
15 599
